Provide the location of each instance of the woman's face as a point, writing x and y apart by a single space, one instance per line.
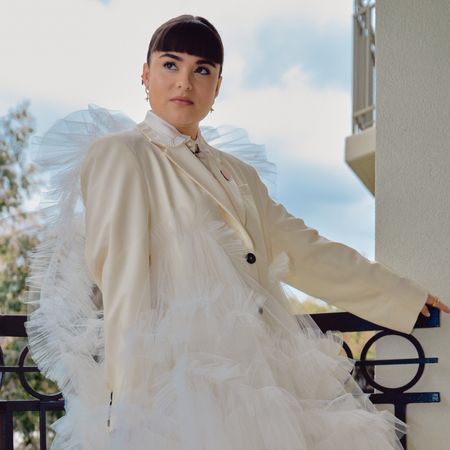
178 74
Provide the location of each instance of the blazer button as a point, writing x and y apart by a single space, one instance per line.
260 310
251 258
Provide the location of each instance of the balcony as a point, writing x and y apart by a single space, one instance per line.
12 326
360 146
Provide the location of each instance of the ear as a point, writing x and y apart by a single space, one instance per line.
219 82
145 72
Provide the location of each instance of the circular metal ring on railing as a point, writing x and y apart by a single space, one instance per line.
26 385
2 363
420 354
348 352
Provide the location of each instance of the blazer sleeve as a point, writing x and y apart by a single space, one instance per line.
117 241
337 273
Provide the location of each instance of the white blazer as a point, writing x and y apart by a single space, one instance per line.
134 179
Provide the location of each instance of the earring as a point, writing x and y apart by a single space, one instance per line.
146 90
211 110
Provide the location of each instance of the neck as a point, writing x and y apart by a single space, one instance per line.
190 129
193 133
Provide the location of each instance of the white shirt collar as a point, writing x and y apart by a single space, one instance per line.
169 133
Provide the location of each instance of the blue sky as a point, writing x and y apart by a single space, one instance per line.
278 44
287 81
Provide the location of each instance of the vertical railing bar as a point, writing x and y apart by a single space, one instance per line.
9 429
2 428
400 412
42 427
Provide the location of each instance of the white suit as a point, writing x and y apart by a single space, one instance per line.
133 180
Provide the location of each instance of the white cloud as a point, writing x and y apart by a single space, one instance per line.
351 223
300 121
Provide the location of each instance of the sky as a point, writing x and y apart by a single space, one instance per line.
286 80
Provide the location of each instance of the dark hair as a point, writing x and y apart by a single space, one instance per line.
190 34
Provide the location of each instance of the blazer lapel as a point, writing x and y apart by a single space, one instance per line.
227 181
224 192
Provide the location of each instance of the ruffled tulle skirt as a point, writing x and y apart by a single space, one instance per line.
216 363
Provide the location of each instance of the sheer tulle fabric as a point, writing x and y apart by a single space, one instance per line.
209 371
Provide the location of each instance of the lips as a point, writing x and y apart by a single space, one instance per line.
182 100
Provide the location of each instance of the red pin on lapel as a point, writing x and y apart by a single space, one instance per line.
225 174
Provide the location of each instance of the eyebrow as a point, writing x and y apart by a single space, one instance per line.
199 61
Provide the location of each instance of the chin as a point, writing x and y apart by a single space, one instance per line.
184 118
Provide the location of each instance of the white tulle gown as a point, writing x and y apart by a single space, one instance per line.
213 375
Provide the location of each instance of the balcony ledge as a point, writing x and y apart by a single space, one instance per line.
360 156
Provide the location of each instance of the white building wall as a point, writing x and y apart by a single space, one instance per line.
412 188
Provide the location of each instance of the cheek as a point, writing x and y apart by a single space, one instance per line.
208 92
155 83
158 81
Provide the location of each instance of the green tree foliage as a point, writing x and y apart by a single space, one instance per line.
18 236
17 184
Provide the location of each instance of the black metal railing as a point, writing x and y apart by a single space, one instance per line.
13 326
396 396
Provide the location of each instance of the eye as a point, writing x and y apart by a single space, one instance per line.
198 68
168 62
207 70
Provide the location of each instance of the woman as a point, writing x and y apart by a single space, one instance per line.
188 342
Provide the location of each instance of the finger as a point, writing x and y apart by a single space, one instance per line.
431 299
425 311
443 307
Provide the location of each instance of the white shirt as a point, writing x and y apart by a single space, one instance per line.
166 128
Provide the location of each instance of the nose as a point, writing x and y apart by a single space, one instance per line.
184 81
